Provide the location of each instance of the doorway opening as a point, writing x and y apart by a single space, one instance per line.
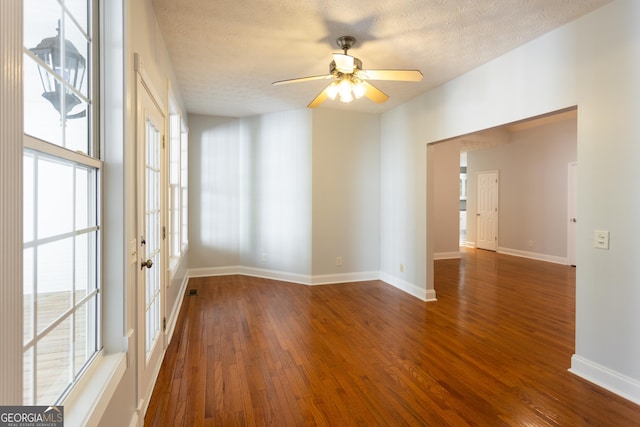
531 156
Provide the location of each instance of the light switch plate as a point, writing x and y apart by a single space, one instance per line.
601 239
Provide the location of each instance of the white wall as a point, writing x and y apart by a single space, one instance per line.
346 192
533 199
608 296
275 192
283 195
214 197
593 63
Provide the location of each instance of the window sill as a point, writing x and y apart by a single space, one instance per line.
88 400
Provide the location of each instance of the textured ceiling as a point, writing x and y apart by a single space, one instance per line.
226 53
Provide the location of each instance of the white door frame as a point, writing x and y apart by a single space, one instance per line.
572 196
487 215
149 109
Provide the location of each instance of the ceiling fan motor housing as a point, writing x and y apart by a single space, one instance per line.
345 42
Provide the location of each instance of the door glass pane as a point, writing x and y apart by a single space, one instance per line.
152 220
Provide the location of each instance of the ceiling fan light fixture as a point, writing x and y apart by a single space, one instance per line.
346 97
345 89
351 79
358 88
332 90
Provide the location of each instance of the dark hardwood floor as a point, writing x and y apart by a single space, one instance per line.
492 351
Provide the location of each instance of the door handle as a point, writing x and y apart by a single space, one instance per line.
148 263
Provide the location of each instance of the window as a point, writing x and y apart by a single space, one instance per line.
178 185
61 199
184 180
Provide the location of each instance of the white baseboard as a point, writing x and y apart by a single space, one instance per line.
213 271
471 245
173 317
534 255
410 288
324 279
613 381
446 255
275 275
328 279
250 271
134 420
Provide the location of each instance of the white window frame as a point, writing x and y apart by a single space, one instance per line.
92 161
177 185
184 185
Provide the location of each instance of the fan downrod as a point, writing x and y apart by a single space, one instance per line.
345 42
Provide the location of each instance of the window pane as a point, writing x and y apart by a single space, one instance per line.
185 214
86 253
55 198
53 364
27 297
85 342
55 281
77 128
28 193
41 118
79 45
85 209
41 21
27 377
78 9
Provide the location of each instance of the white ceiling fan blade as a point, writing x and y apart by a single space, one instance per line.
322 96
344 63
302 79
374 94
397 75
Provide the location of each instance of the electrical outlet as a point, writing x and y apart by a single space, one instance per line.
401 268
530 243
339 260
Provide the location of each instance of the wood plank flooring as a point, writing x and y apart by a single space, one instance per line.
492 351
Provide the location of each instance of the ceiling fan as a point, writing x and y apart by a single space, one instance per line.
350 80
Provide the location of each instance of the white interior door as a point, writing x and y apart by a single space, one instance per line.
487 210
150 296
572 213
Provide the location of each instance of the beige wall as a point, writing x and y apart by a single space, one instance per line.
446 193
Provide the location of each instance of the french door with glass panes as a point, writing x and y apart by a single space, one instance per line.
150 295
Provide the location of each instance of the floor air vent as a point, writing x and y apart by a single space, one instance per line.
192 293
